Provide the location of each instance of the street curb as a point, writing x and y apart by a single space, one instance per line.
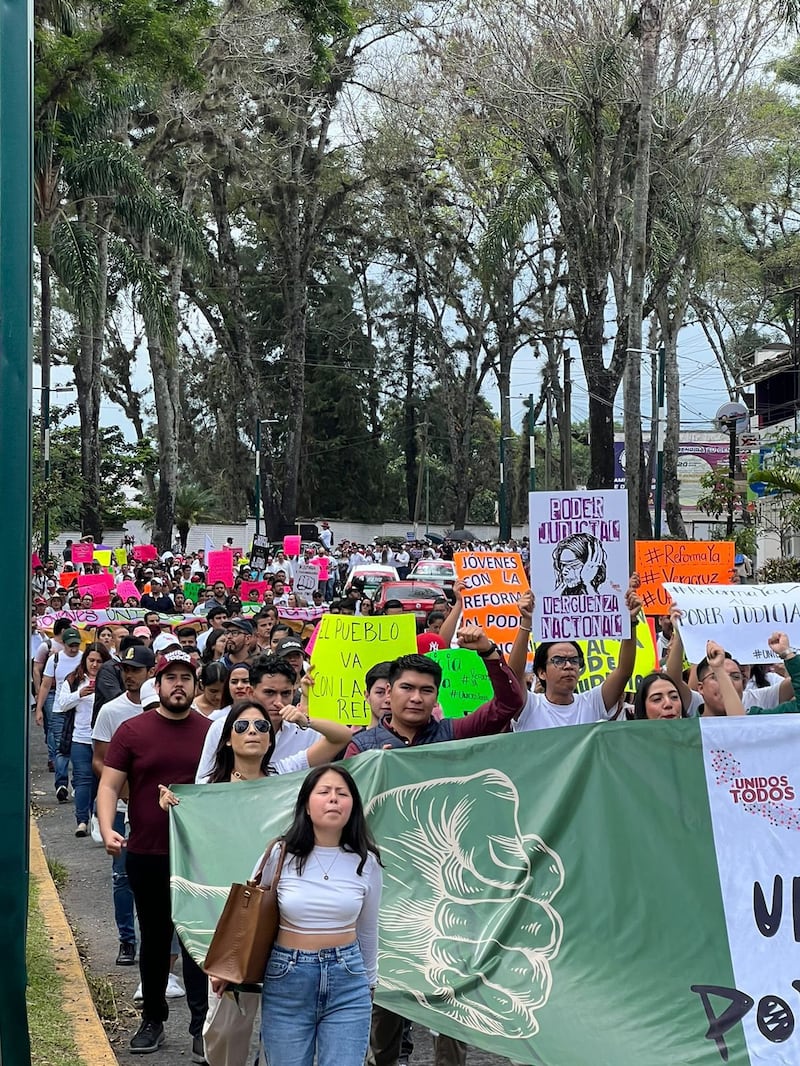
88 1032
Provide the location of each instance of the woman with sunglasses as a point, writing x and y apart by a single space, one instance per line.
558 665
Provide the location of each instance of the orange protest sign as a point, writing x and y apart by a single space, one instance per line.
689 562
495 581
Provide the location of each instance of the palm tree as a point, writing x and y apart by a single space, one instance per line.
192 505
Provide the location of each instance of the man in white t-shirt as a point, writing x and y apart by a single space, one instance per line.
137 665
59 664
558 667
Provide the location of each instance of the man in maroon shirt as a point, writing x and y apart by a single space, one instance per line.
161 746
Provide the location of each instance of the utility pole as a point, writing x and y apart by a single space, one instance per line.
423 459
258 476
567 481
660 435
548 437
532 444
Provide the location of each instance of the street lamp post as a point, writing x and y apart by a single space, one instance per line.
504 521
259 423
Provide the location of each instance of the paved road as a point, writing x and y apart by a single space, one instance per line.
87 901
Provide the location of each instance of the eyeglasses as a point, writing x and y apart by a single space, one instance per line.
241 725
734 676
562 661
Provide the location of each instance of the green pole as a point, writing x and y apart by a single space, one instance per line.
502 516
16 251
661 429
532 444
258 476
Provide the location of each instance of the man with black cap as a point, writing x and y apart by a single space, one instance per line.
162 746
216 618
240 644
291 649
61 663
136 665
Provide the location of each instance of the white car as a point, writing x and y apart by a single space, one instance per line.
437 571
373 575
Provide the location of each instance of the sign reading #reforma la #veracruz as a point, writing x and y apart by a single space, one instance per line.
739 617
579 564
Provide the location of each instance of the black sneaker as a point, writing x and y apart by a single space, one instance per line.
127 954
198 1051
62 794
148 1037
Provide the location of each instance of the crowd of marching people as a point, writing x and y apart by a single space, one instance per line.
216 689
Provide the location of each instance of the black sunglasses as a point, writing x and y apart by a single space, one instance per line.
241 725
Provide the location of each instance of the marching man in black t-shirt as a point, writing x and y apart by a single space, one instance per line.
161 746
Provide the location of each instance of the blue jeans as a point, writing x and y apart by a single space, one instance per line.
55 728
47 714
121 890
315 1001
83 781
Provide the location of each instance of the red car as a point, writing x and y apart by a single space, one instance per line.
413 596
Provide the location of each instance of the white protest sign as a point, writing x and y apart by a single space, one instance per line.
579 564
739 617
306 579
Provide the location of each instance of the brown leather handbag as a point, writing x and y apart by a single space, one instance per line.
247 927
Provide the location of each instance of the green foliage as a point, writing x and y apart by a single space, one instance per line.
775 571
122 466
192 505
719 491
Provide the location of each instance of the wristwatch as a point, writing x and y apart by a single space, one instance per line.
489 651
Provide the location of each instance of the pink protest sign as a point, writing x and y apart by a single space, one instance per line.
291 544
321 562
35 560
126 589
144 553
96 587
82 553
260 587
220 568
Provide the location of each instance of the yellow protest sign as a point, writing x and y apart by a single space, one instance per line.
601 657
102 557
121 555
346 647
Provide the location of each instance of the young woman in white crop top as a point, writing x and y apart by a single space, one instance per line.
317 993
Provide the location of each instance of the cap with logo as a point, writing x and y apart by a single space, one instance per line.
288 646
138 656
171 658
70 636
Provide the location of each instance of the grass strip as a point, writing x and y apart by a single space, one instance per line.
52 1041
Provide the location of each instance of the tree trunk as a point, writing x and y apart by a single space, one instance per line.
670 321
88 380
649 24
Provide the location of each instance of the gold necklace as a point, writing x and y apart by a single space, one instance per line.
325 871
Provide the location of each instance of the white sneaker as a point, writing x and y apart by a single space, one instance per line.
174 988
138 996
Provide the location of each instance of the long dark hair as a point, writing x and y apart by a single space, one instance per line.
223 756
356 836
78 675
208 650
639 710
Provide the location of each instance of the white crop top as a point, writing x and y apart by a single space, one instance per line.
345 902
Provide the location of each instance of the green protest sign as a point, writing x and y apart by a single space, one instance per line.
465 683
191 591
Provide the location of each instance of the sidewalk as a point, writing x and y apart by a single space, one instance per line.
88 905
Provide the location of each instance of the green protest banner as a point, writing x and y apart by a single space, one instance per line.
465 683
605 894
191 590
346 647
